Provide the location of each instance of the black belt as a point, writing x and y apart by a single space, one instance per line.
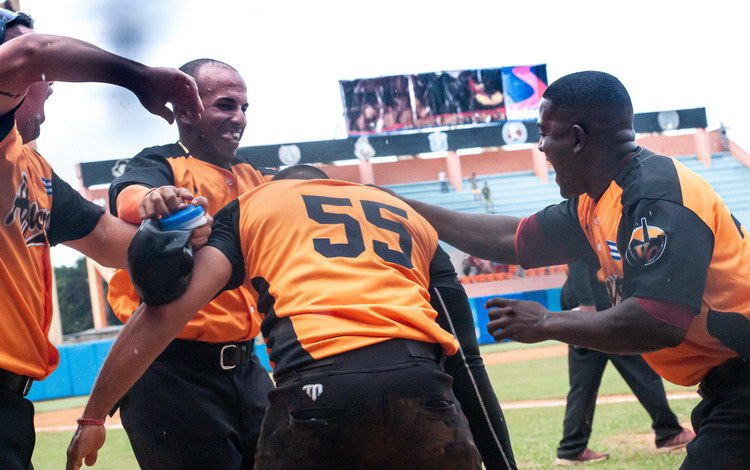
733 373
19 384
225 356
385 354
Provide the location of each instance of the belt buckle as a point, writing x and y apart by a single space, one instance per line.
221 357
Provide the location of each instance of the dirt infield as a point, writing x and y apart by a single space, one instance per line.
64 420
518 355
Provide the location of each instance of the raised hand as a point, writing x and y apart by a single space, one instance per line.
164 85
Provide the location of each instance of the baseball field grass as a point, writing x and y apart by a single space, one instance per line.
622 429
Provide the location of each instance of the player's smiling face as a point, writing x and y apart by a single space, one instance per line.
217 134
557 140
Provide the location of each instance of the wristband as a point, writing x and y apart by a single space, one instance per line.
90 422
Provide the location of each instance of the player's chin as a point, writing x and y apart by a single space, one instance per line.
227 149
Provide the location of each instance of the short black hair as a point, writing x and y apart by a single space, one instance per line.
590 92
301 172
193 67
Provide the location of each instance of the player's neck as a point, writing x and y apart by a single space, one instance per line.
195 152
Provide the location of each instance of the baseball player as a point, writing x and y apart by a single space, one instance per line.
39 209
340 276
201 403
672 256
585 369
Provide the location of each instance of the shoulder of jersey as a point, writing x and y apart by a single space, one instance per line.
165 151
650 176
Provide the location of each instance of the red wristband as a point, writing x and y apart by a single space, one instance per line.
90 422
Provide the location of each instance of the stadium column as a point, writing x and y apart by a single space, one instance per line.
739 153
539 162
453 165
703 147
366 175
96 292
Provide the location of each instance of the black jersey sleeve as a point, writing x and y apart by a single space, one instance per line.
562 231
442 272
668 249
225 237
149 168
72 217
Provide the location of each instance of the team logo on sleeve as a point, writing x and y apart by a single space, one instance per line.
647 244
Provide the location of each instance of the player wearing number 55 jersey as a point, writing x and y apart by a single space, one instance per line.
341 273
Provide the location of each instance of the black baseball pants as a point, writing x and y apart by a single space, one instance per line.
17 436
187 412
385 406
585 370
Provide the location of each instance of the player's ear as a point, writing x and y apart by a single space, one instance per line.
579 138
183 117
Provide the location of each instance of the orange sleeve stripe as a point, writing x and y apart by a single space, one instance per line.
128 201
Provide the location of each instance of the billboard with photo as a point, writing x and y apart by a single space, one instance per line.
455 98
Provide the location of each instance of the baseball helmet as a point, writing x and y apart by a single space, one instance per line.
160 263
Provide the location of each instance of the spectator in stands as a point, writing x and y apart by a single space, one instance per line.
582 291
489 206
723 138
475 187
444 185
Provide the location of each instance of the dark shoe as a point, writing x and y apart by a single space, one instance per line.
676 442
586 456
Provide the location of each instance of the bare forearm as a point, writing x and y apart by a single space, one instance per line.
37 57
486 236
142 339
108 243
625 329
151 329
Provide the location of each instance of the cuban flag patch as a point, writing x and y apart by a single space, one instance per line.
47 182
614 251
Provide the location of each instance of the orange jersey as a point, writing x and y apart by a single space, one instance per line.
660 232
38 209
229 316
335 266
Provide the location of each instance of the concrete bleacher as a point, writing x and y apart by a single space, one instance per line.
518 193
730 178
521 193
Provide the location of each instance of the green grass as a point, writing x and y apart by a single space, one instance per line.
60 404
621 429
49 453
548 378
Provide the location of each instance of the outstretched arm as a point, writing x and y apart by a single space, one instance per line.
486 236
143 338
624 329
33 57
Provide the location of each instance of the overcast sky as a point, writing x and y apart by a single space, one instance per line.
669 54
